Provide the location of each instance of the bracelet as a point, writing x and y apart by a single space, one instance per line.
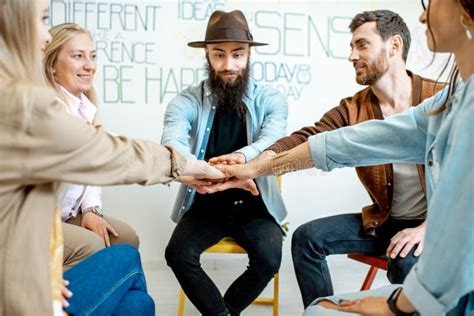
392 303
97 210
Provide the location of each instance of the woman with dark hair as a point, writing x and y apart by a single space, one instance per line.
438 133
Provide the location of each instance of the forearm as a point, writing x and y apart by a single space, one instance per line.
270 163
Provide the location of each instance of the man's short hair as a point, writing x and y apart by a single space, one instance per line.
388 24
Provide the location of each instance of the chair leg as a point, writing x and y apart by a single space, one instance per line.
369 279
276 292
182 300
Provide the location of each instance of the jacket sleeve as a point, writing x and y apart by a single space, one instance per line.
400 138
335 118
273 126
60 147
178 122
445 271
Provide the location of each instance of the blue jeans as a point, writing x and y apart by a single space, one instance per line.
342 234
204 225
110 282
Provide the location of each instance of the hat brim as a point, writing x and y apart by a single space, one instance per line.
202 44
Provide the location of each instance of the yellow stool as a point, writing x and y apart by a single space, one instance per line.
228 245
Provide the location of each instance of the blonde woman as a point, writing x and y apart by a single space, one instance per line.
70 65
42 145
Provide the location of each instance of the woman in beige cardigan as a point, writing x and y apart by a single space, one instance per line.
42 145
70 66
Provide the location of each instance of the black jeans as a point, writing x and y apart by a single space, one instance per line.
251 226
342 234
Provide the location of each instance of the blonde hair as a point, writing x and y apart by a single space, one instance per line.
61 34
20 58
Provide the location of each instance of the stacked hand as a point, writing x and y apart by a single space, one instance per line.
221 173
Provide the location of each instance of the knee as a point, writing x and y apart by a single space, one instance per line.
176 255
306 240
79 250
126 235
267 263
271 265
399 268
146 304
132 239
129 256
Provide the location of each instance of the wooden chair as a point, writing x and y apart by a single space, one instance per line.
375 262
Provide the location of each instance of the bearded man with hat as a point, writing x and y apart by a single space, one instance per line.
227 118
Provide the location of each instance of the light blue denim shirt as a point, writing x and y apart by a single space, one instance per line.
445 144
188 123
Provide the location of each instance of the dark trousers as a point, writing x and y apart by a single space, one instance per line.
251 226
342 234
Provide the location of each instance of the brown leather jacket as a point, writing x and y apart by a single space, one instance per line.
378 180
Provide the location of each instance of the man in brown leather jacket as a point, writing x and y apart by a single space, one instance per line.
394 224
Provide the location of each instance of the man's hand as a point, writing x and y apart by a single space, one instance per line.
228 159
234 183
371 305
66 293
405 240
251 170
98 225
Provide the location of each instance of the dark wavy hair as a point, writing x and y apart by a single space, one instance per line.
388 24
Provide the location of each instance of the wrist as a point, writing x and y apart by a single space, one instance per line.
395 306
97 210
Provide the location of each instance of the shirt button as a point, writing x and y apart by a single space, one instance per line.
430 163
213 107
202 150
389 184
190 190
208 129
182 207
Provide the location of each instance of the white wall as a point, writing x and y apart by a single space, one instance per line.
306 60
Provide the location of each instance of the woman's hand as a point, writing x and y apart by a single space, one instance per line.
233 183
200 169
98 225
371 305
66 293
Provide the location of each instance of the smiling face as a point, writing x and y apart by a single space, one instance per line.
368 54
76 64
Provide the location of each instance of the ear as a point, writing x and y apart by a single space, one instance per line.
396 45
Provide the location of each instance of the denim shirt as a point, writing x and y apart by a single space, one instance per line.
445 144
188 123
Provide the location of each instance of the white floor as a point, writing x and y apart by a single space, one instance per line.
347 276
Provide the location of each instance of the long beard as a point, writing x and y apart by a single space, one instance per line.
375 70
228 95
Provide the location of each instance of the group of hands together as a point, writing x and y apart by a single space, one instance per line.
231 171
221 173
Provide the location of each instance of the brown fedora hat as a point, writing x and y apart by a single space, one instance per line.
227 27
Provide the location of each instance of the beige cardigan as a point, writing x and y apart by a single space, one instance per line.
42 145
